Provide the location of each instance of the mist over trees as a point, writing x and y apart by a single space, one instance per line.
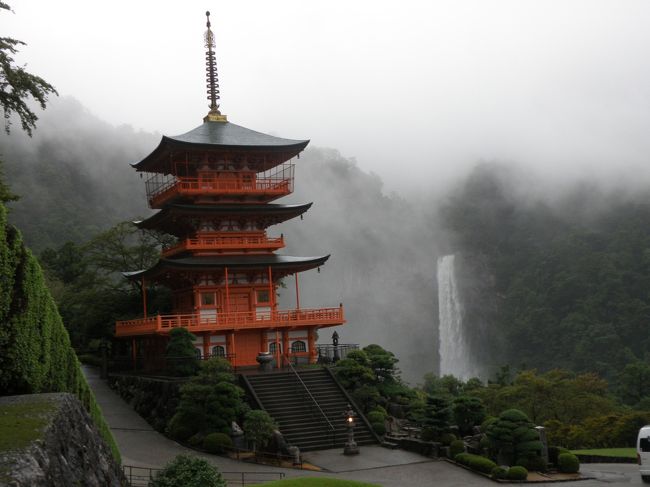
562 282
551 275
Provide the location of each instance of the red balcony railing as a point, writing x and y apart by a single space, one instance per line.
266 188
162 324
260 243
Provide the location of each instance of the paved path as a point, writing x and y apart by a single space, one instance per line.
142 446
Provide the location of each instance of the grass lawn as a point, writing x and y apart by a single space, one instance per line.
608 452
316 482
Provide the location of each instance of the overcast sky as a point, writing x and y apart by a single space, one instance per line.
414 90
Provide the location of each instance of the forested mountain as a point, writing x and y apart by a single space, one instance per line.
73 175
560 281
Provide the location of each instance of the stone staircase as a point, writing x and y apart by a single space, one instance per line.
301 422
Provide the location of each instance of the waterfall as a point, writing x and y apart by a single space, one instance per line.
455 357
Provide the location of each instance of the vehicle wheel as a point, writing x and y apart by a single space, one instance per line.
646 478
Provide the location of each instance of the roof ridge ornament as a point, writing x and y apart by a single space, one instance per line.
212 78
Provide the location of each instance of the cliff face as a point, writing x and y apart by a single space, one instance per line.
50 440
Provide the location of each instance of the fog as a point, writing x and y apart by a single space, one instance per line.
415 91
400 101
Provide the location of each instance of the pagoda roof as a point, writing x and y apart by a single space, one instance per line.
172 218
285 263
221 135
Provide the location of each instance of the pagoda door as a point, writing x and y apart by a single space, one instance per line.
240 302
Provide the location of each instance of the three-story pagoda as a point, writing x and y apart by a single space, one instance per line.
213 187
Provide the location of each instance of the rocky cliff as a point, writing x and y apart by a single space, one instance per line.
50 440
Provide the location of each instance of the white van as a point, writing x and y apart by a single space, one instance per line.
643 452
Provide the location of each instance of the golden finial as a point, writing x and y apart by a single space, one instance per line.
212 79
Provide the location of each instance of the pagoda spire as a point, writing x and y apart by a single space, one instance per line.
212 78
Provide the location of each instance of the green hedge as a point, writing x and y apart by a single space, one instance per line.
35 351
476 462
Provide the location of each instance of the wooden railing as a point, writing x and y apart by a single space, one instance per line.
267 187
221 244
162 324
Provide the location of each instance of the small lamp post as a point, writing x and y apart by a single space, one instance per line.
351 447
335 344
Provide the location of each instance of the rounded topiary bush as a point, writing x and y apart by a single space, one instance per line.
447 438
188 472
456 447
379 428
217 442
487 422
568 463
498 472
196 440
517 473
181 427
375 417
484 443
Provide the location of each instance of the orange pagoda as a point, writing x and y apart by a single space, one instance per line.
213 187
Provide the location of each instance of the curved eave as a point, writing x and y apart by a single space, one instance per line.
206 264
220 136
166 219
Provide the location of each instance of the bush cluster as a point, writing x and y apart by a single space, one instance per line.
517 473
476 462
499 472
456 447
217 443
568 463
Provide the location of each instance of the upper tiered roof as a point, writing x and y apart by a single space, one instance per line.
220 135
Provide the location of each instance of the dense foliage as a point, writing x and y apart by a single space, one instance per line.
372 378
209 402
189 472
35 351
259 428
513 437
87 282
552 284
180 353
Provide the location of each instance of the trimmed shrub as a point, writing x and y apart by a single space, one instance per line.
188 472
498 472
447 439
476 462
568 463
196 440
487 422
217 442
484 443
513 436
456 447
375 417
182 426
427 434
380 409
554 452
379 428
517 473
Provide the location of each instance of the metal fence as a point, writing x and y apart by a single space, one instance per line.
330 354
141 476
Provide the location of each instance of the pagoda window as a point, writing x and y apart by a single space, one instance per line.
273 347
218 351
298 346
197 352
262 296
208 299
